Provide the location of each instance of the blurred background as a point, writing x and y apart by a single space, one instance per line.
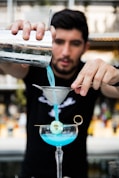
103 133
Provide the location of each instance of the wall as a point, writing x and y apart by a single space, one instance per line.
100 18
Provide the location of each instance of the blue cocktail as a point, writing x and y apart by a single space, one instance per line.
67 136
58 134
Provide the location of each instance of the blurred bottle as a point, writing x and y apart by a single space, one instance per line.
113 169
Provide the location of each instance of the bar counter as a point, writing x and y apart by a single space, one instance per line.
12 148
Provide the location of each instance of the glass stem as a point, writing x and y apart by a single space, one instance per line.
59 159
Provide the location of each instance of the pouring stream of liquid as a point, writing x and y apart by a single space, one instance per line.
51 80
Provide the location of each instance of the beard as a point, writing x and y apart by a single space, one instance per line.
63 71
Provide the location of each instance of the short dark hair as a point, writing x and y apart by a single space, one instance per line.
71 19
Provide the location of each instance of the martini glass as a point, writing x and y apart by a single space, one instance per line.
58 135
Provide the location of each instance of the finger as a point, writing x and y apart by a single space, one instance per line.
21 25
109 78
16 26
78 86
40 30
86 84
104 75
26 26
99 76
78 81
83 89
86 75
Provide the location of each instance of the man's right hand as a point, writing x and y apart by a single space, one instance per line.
27 27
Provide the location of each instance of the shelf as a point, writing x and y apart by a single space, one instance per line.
11 87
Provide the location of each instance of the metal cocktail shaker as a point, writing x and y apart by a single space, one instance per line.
33 52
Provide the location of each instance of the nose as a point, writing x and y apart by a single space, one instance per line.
66 50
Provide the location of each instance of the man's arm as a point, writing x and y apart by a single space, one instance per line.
110 91
16 70
97 74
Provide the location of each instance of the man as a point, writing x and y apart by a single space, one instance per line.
70 41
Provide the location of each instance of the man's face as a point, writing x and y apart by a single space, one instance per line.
68 47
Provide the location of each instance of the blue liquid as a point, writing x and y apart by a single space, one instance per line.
56 112
50 76
59 139
51 80
63 138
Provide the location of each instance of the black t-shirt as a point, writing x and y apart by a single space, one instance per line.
40 157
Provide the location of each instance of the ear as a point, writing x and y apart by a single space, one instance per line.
87 46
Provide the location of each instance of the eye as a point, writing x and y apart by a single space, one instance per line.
59 41
76 43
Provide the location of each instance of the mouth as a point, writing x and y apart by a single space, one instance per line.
65 62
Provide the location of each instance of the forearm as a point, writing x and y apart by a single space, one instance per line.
1 71
110 91
16 70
